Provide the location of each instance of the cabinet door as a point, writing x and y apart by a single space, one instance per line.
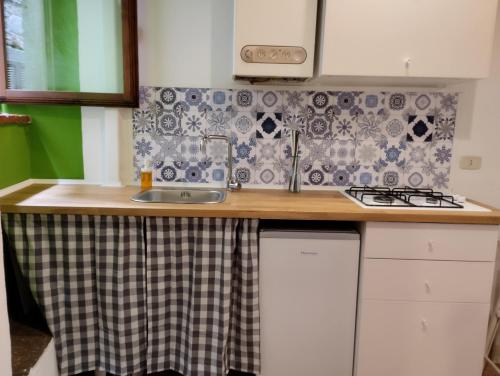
413 38
421 338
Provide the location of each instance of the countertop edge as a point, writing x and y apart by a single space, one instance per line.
337 208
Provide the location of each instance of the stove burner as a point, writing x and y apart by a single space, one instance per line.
402 197
431 200
383 199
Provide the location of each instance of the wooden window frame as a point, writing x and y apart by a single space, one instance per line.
130 96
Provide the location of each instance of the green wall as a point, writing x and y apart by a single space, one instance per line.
49 148
15 159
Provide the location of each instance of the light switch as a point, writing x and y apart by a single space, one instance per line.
470 162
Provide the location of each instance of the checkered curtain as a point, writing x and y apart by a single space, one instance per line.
88 275
203 295
185 297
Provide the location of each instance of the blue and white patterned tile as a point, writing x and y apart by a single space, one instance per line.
391 177
195 172
218 122
196 98
371 102
166 97
366 175
268 151
165 172
319 101
317 174
147 98
270 100
349 103
220 99
181 171
167 124
268 173
397 102
441 153
344 176
447 102
294 103
369 127
344 127
343 152
269 125
191 149
143 146
244 124
417 152
319 128
216 150
420 128
143 121
423 104
394 153
389 144
446 114
193 123
217 174
441 178
415 177
445 127
294 122
245 149
244 172
167 148
244 100
368 152
394 128
317 151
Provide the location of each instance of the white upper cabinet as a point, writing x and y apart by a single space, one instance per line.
407 38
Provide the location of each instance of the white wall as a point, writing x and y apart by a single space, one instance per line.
478 133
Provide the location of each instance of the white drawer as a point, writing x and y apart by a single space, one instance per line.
430 241
423 280
421 338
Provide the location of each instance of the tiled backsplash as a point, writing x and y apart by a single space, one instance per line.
358 137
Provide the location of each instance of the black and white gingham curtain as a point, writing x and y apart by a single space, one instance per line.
203 295
181 295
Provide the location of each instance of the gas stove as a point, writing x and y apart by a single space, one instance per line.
408 198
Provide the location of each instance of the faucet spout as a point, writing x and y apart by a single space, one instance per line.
232 183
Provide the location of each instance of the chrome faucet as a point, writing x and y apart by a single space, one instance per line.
232 183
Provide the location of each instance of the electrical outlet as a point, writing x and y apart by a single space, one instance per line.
470 162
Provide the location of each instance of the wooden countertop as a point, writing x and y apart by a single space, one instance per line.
247 203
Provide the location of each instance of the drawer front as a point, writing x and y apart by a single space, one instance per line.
429 241
421 338
424 280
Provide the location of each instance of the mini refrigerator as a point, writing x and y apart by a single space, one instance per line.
308 298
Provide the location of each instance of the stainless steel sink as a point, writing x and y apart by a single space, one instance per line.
181 195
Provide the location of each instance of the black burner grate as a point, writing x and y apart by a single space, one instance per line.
402 197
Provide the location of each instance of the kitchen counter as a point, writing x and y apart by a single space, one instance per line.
247 203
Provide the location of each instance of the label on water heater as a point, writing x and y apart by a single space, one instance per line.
273 54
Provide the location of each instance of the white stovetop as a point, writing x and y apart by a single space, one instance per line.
468 206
